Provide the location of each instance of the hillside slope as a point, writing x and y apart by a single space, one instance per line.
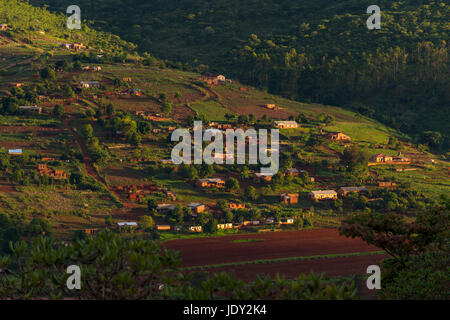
117 134
318 51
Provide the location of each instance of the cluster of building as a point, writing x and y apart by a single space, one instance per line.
293 198
243 224
286 124
333 195
337 136
3 27
220 126
213 79
195 207
152 117
91 68
293 172
132 92
386 159
55 174
136 193
73 46
210 183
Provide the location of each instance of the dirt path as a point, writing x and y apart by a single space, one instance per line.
87 160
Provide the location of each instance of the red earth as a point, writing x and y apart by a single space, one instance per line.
216 250
332 267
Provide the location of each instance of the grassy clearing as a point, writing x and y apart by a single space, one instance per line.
211 109
167 236
247 240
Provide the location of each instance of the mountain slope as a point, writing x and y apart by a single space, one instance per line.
318 51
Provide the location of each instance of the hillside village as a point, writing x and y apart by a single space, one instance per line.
90 172
118 121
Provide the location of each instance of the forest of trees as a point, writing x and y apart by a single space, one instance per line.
25 20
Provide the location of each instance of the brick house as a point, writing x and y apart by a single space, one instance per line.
386 184
382 158
55 174
285 124
210 183
338 136
292 172
236 206
91 231
195 228
78 46
213 79
196 207
263 177
225 226
289 198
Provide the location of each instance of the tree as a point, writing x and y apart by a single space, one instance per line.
117 268
87 131
231 184
77 66
416 250
58 111
109 220
229 216
222 205
250 193
48 73
152 204
68 92
211 226
146 222
178 214
243 119
110 110
38 226
434 139
135 139
354 157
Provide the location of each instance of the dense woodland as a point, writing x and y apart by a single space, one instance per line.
24 20
314 51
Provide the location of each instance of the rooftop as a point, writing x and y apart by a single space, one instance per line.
323 192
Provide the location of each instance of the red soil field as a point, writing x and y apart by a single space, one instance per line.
17 129
332 267
216 250
7 188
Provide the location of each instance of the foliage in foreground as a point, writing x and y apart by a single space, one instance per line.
419 250
116 268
